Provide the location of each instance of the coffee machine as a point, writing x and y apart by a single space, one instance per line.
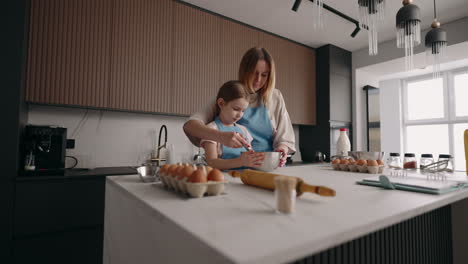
44 149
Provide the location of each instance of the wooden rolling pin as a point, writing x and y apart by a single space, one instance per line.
265 180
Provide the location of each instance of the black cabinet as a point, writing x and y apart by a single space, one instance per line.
334 101
59 220
77 246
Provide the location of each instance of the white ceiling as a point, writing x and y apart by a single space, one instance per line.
276 16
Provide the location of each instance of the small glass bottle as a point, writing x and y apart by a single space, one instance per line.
394 161
425 160
409 162
449 159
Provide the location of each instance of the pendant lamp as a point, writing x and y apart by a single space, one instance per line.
371 13
408 24
436 44
317 14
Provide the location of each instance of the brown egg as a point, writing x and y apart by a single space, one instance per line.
215 175
352 162
344 162
163 169
178 172
172 169
361 162
208 169
372 163
198 176
187 171
380 162
336 161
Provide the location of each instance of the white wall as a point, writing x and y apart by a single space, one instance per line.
107 138
110 138
391 116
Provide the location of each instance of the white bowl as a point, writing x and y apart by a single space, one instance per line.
271 161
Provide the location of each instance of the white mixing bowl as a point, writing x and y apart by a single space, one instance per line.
271 162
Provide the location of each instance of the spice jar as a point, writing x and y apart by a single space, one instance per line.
449 160
409 162
425 160
394 161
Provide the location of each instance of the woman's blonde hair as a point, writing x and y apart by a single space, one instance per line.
247 68
231 90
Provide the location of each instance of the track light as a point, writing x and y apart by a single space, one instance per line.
296 5
356 30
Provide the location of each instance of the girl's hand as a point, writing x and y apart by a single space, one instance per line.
284 152
252 159
232 139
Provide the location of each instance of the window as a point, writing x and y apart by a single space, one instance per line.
436 115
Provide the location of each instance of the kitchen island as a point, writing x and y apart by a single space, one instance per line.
145 223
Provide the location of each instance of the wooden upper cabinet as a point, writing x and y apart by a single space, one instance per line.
151 56
141 56
303 93
196 59
236 39
280 51
68 58
295 76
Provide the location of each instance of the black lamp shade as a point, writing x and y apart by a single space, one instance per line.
435 35
408 13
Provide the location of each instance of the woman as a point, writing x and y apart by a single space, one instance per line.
266 118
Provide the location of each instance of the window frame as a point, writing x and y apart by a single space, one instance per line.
450 118
461 119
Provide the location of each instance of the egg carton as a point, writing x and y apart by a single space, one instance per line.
193 189
359 168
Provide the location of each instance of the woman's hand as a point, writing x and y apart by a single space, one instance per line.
284 152
232 139
252 159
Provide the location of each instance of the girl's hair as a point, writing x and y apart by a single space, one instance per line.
229 91
247 68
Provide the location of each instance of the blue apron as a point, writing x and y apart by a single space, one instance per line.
229 153
258 123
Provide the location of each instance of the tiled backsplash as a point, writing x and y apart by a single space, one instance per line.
111 138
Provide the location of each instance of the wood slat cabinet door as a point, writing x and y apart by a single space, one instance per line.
196 59
236 39
68 58
282 52
279 49
141 56
303 88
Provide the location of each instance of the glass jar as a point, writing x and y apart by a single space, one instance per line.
449 160
409 162
425 160
394 161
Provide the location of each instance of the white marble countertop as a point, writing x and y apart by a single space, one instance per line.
242 226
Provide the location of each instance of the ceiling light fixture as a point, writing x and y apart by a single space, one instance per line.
317 10
297 3
371 13
436 44
408 24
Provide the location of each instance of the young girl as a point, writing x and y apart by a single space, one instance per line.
231 102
